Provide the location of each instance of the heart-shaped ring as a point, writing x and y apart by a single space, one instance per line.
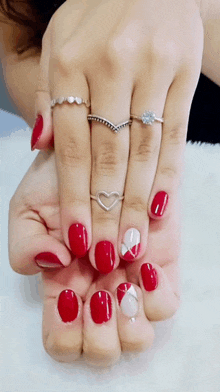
107 195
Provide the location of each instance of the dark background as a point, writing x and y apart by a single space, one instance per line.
204 120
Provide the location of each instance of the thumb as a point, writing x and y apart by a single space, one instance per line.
42 134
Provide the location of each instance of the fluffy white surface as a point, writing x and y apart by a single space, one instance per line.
185 356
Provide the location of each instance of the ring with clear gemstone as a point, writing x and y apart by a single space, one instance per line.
148 118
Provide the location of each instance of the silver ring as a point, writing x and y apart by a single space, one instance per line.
71 99
116 196
148 118
113 127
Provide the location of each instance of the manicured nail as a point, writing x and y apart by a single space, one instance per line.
149 277
68 306
131 244
101 307
104 256
159 203
37 131
127 299
78 239
47 260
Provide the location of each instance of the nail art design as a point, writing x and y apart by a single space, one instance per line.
68 306
159 203
149 277
127 299
37 131
47 260
104 256
101 307
131 244
78 239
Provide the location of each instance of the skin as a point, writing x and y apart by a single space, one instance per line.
162 244
34 227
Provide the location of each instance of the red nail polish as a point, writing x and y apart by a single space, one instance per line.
101 307
47 260
104 256
159 203
149 277
37 131
78 239
121 291
68 306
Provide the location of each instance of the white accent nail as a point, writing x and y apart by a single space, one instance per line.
131 238
129 303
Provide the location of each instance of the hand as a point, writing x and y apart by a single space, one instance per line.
126 57
72 327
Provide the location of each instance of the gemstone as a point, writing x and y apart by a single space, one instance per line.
78 100
148 117
70 99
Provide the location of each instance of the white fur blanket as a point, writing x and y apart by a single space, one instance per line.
185 356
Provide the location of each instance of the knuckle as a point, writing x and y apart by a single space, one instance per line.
161 51
112 220
147 148
101 353
65 59
107 160
168 171
70 154
136 203
177 135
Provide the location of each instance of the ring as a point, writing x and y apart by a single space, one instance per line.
113 127
116 196
148 118
71 99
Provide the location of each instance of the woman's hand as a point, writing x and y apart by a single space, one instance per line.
83 310
126 57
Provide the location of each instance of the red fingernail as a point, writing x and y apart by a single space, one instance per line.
37 131
149 277
68 306
104 256
101 307
78 239
47 260
159 203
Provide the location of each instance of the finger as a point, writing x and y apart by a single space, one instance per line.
72 146
42 134
101 345
160 300
63 310
109 166
30 246
136 333
170 164
144 152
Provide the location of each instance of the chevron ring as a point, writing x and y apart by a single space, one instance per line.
113 127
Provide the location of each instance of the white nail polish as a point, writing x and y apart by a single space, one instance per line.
128 301
131 244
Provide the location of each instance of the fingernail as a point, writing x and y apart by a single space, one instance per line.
131 244
47 260
78 239
149 277
104 256
101 307
68 306
127 299
37 131
159 203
